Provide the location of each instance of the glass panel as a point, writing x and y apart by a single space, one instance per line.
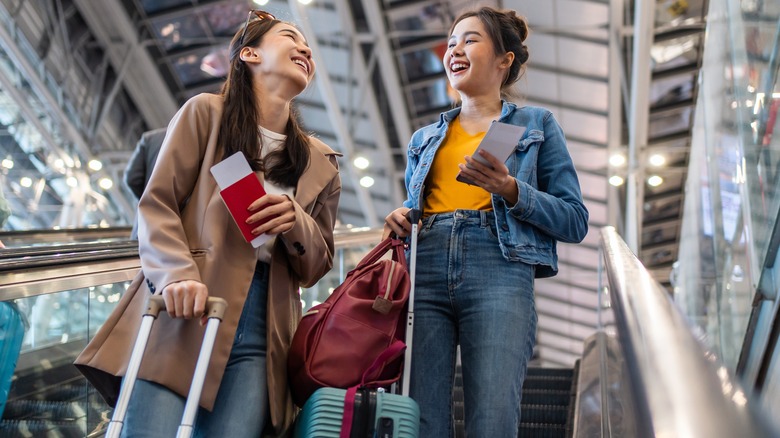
423 63
431 96
188 67
44 334
675 52
151 6
345 260
180 31
226 19
731 197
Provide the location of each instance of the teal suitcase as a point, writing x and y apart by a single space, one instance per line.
377 414
11 336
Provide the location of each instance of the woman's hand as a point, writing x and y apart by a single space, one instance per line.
268 205
494 177
186 299
396 222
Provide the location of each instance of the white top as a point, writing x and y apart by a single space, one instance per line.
271 141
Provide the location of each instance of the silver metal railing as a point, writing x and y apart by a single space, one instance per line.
679 388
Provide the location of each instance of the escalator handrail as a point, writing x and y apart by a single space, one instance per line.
44 236
42 270
681 389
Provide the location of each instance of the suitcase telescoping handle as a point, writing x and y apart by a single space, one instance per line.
215 311
414 217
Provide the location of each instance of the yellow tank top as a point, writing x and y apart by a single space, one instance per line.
443 193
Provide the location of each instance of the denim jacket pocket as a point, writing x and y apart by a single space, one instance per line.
524 166
534 136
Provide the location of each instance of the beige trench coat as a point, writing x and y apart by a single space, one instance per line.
186 233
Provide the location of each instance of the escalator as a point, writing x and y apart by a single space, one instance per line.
646 376
547 405
63 283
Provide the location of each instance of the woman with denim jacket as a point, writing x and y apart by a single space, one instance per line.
482 245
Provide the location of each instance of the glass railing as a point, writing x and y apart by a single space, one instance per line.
659 379
34 238
57 296
732 197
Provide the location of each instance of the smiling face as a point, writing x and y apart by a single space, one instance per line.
472 66
283 57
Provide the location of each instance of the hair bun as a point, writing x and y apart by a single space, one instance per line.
520 23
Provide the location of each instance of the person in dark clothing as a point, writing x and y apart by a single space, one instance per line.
139 168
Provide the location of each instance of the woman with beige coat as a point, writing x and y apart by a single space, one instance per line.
190 249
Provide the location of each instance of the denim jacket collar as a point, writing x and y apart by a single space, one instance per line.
448 116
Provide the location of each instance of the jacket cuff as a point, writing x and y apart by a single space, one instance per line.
525 201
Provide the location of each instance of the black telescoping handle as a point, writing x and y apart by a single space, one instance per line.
413 216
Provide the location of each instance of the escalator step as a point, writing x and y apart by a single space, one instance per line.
544 414
537 430
39 428
558 372
45 410
554 383
546 397
460 429
68 392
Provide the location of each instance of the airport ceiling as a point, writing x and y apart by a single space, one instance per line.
82 79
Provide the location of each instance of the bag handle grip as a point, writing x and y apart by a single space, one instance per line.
396 245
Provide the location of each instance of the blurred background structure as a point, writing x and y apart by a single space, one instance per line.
669 108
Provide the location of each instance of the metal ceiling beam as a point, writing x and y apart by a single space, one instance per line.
69 131
335 114
368 103
398 109
615 98
638 123
114 29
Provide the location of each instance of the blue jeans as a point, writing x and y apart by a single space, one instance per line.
466 293
241 407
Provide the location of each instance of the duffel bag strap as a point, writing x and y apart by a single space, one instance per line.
390 354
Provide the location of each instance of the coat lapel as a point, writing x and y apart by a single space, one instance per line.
319 174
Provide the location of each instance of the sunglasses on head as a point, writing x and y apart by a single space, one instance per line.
261 15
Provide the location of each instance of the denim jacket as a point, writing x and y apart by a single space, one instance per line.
549 206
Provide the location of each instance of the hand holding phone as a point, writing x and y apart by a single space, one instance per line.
500 140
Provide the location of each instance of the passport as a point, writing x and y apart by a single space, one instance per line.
240 187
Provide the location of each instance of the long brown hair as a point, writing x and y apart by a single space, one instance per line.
238 129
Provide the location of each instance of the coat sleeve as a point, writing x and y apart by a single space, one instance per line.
309 243
135 173
163 244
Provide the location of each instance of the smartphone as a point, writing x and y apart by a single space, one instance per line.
500 140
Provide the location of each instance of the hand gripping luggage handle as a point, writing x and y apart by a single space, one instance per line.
215 311
215 307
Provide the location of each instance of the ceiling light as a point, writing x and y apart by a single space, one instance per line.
616 180
657 160
617 160
261 2
8 163
361 163
25 181
366 181
304 2
72 181
105 183
655 181
95 165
